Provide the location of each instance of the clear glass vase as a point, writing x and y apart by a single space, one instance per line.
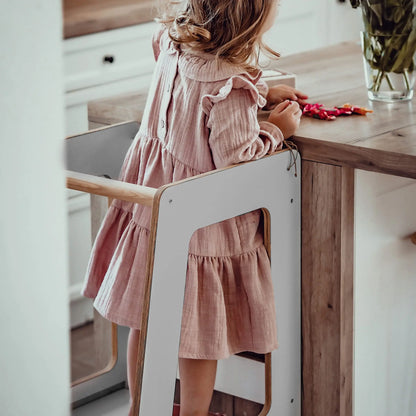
389 67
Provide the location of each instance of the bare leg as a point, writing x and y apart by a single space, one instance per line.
197 385
132 350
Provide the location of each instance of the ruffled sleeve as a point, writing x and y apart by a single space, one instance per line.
262 87
157 39
235 133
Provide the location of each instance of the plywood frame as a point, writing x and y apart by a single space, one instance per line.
182 208
178 210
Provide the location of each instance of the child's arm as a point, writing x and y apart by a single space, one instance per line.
235 133
286 116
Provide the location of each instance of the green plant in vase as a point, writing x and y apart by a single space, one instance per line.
389 45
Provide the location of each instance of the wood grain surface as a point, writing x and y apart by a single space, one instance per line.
111 188
327 289
83 17
383 141
117 109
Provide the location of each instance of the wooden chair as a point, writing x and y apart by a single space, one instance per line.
178 209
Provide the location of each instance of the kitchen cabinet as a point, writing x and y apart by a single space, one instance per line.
358 279
119 61
102 65
303 25
385 295
79 246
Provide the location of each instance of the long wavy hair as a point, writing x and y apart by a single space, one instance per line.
229 29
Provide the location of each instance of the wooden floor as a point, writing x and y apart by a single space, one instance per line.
115 404
82 352
91 347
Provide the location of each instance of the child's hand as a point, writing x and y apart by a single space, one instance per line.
286 116
280 93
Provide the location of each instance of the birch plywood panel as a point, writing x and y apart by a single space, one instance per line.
189 205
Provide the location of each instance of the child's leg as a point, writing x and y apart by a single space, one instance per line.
132 350
197 385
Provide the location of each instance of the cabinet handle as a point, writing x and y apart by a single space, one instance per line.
108 59
413 238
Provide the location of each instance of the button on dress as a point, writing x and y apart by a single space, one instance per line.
200 115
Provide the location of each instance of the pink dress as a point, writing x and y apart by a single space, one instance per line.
199 116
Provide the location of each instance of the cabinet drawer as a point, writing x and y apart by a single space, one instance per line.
108 56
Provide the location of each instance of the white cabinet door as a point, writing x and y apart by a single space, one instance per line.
385 296
79 235
343 23
103 65
303 25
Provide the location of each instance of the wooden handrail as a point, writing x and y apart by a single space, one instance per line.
111 188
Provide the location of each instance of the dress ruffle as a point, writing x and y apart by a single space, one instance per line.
235 82
219 318
105 244
222 314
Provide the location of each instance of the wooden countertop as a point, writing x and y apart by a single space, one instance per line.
384 141
82 17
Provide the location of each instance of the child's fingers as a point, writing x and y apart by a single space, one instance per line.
300 94
282 106
298 113
302 102
292 107
292 96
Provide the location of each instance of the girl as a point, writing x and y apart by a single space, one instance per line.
201 114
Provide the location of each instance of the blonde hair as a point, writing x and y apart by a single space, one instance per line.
229 29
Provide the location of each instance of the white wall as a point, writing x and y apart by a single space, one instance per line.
34 347
385 296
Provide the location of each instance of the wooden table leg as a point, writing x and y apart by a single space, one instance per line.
327 289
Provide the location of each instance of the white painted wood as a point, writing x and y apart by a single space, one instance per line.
138 83
88 77
296 21
343 23
76 116
100 153
34 351
241 377
303 25
268 184
130 48
195 203
79 242
108 37
79 237
385 296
